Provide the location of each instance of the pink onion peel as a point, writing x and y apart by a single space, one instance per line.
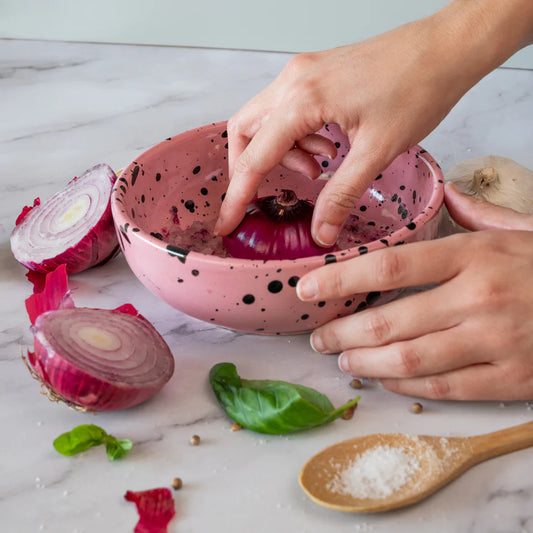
155 508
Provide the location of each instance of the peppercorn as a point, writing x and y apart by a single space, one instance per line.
236 426
177 483
348 413
417 408
195 440
356 384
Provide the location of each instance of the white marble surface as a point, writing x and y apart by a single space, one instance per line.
65 107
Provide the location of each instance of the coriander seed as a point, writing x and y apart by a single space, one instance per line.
236 426
177 483
356 384
348 413
417 408
195 440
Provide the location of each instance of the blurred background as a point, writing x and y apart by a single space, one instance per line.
275 25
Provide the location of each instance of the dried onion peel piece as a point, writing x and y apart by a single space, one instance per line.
74 227
95 359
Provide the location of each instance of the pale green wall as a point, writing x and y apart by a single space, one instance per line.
281 25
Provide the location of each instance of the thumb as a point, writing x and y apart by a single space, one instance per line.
341 194
476 214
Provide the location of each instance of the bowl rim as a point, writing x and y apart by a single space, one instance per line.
428 213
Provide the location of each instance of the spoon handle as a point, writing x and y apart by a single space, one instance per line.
501 442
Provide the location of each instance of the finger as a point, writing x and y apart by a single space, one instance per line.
476 214
342 193
301 161
246 122
273 140
434 353
390 268
476 382
403 319
318 145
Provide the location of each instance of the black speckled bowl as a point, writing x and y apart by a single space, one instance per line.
166 202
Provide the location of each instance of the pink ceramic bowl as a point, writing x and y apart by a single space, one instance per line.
166 203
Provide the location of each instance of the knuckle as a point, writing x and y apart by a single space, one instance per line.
378 327
337 283
301 63
390 266
438 388
343 197
408 360
245 164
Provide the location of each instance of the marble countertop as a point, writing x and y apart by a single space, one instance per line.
65 107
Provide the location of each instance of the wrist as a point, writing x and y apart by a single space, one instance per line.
479 35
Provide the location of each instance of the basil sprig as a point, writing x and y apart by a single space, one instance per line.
268 406
86 436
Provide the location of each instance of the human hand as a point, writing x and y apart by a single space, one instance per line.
468 338
386 93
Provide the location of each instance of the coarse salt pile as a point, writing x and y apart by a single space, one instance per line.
376 473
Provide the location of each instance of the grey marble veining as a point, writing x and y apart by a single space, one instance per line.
65 107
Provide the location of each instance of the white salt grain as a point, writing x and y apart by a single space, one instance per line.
376 473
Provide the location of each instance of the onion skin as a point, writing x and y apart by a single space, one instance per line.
275 227
121 362
95 245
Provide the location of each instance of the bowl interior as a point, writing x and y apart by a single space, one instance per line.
177 187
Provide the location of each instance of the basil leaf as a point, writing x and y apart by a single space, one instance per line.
269 406
79 439
117 448
86 436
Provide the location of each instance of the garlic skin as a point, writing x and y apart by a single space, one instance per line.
495 179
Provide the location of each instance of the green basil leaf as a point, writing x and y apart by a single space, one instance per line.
79 439
269 406
117 448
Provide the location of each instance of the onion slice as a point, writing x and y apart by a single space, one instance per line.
94 359
73 227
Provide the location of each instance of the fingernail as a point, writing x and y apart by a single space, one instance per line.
217 228
307 289
316 342
343 363
327 234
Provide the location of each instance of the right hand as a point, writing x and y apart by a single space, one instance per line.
386 93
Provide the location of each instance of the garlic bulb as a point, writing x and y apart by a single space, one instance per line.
493 178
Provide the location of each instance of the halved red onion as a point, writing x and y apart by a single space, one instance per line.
275 227
73 227
94 359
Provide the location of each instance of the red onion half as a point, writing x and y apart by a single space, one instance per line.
94 359
275 227
73 227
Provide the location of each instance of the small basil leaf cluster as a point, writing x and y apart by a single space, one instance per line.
268 406
86 436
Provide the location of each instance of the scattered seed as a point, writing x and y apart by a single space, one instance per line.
236 426
177 483
348 413
417 408
356 384
195 440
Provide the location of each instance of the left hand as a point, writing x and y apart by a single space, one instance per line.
468 338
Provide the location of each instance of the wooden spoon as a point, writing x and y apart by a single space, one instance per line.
438 461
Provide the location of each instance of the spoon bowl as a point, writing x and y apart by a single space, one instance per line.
433 462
